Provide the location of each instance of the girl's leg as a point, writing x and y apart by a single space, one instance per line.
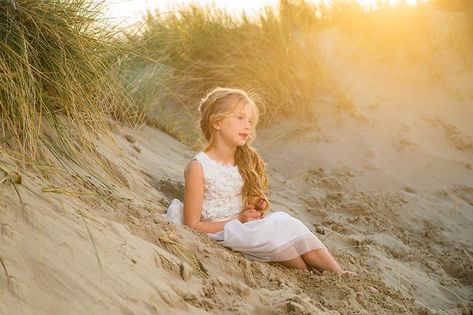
321 259
297 262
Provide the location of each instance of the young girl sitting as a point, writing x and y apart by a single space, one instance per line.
225 191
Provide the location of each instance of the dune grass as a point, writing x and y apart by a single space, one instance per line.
64 74
274 55
197 48
59 80
58 72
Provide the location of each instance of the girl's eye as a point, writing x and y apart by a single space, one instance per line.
241 117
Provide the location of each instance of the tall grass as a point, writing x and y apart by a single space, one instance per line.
274 55
63 74
197 48
58 77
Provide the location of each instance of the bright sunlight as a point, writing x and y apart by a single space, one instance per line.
131 11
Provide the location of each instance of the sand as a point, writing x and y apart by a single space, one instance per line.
387 185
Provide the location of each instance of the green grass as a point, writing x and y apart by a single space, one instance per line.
197 48
59 83
64 74
58 75
275 55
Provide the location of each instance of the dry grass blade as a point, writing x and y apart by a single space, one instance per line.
14 178
102 197
23 211
93 244
327 236
185 253
61 190
80 212
6 271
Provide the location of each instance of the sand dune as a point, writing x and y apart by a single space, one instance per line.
388 187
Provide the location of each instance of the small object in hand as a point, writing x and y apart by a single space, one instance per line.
260 203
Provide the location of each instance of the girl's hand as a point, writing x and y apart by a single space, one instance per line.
249 214
261 204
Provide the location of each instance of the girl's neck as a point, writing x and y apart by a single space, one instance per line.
223 155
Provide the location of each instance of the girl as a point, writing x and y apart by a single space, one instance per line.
225 191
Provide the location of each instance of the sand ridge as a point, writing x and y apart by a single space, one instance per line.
389 191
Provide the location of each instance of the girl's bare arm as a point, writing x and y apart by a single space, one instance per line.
193 198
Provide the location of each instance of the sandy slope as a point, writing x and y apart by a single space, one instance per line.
76 254
395 176
389 190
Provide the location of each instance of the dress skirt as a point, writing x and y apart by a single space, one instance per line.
276 237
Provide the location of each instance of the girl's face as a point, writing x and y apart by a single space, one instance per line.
236 127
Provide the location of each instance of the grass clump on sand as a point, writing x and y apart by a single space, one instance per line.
58 78
276 54
196 48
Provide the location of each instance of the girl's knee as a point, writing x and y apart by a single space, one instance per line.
297 262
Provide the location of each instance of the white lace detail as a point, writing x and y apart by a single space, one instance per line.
222 188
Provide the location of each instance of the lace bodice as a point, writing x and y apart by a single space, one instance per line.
223 183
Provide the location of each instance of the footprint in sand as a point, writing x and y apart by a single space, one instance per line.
171 189
403 144
454 136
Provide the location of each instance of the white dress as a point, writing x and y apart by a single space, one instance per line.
276 237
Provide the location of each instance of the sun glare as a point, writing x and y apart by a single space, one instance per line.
132 11
375 4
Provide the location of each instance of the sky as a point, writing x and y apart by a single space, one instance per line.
131 11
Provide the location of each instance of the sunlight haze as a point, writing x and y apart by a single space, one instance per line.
131 11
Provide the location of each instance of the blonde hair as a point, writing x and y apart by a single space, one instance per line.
222 102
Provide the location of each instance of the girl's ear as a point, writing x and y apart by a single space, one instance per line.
216 124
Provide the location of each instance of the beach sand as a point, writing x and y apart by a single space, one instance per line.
387 184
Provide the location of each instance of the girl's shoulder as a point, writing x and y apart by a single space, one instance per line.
195 162
205 159
199 157
213 166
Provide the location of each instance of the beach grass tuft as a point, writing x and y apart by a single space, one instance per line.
59 80
184 252
61 86
195 48
66 76
275 55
